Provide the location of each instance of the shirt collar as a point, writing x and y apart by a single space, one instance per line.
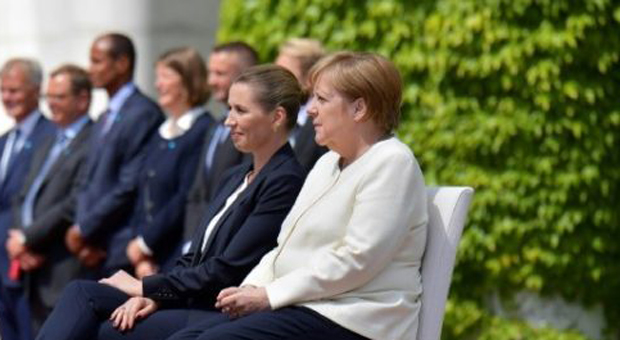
119 98
188 118
302 115
74 128
183 124
26 126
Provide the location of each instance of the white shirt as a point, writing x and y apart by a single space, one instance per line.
229 201
173 128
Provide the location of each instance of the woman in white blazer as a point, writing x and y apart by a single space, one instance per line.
347 264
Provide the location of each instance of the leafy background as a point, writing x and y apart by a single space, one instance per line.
517 98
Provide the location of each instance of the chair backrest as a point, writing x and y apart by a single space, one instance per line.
447 212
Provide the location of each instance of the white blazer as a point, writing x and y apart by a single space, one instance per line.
351 246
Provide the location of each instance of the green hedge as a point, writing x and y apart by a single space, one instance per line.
519 99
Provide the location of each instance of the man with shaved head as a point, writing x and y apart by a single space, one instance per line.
118 142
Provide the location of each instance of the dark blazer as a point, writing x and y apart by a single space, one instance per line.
166 177
205 184
244 233
306 149
14 182
53 212
106 201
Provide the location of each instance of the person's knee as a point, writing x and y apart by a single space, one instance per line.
108 332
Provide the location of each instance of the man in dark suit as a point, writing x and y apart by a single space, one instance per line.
21 83
104 203
298 55
226 62
45 207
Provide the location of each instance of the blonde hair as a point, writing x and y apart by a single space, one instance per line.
306 51
369 76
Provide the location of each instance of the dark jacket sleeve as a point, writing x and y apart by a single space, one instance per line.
103 218
255 237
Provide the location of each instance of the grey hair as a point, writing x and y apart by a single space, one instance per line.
30 67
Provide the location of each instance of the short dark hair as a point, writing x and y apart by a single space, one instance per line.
188 64
121 45
247 55
274 86
78 77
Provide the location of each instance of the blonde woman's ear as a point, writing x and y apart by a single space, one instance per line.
359 109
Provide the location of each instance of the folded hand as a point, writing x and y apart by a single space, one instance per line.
136 308
240 301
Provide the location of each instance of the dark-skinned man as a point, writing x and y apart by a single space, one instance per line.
117 150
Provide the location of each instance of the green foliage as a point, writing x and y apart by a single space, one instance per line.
465 319
517 98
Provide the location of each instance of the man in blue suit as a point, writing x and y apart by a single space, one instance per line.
104 204
21 84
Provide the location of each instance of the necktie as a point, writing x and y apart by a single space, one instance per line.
8 154
52 156
220 134
107 121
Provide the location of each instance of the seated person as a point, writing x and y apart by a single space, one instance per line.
241 225
347 264
171 162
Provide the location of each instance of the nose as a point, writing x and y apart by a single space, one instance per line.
311 110
158 85
230 121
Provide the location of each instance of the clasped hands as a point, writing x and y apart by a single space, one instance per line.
17 250
234 301
89 255
241 301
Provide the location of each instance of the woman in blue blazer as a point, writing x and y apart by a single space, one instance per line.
170 163
241 225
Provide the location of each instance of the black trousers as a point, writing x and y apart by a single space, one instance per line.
83 310
85 306
290 323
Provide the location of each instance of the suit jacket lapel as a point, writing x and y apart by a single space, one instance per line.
66 153
284 153
214 207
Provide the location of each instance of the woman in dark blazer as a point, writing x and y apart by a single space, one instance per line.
241 225
171 162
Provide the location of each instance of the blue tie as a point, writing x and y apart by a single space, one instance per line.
52 156
220 134
9 153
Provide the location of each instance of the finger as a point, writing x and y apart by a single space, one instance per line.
117 317
130 320
227 291
146 311
124 321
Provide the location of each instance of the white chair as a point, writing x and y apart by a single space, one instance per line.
447 212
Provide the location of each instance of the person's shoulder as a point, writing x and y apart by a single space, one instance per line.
142 103
392 149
